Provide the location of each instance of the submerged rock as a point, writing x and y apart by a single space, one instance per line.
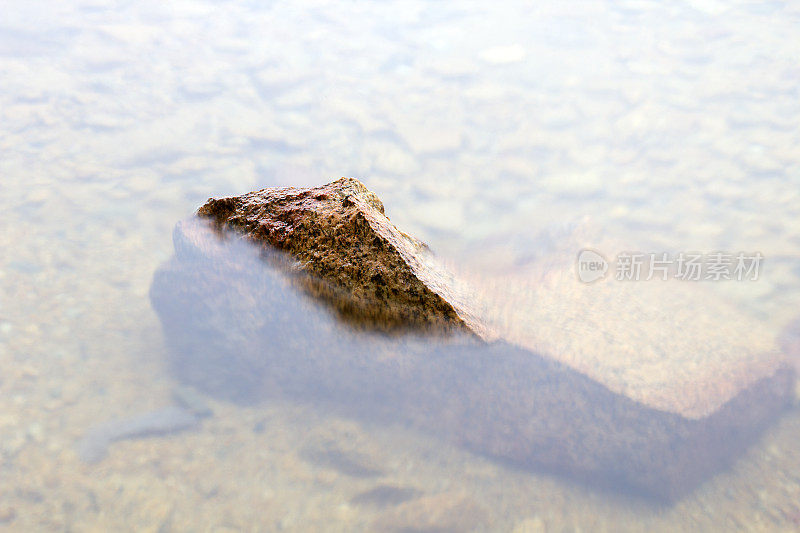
372 273
638 386
93 447
187 412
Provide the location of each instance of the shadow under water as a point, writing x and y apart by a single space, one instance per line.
240 327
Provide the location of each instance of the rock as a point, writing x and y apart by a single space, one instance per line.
671 346
370 272
650 387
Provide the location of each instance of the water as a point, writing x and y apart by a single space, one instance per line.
489 132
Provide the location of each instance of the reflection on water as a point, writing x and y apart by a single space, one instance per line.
485 130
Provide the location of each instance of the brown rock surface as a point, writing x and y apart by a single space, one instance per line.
371 272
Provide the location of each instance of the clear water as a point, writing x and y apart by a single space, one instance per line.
487 130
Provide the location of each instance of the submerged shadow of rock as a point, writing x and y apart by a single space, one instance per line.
241 326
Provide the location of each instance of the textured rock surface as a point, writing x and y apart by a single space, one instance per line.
644 387
371 272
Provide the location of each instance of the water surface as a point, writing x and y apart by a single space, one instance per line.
485 129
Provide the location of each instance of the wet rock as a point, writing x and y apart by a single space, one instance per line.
362 265
649 387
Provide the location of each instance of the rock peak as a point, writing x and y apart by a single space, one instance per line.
372 273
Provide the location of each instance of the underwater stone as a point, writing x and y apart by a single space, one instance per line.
650 387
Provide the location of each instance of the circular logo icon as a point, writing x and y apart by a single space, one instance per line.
591 266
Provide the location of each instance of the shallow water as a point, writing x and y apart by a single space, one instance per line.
490 132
